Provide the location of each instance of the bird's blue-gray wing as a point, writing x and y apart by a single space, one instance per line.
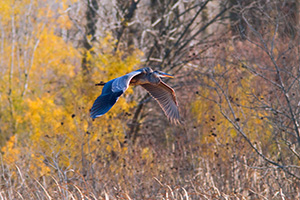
111 92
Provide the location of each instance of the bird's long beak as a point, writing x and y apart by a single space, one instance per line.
163 74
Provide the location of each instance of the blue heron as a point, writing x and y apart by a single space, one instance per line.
149 80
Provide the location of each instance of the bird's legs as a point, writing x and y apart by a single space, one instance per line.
101 83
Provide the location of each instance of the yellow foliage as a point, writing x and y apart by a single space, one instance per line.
50 97
11 151
38 167
5 9
55 112
146 154
214 128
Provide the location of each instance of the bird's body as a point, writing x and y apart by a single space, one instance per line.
149 80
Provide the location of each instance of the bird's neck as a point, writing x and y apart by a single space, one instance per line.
152 78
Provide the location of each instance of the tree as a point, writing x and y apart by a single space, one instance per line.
256 87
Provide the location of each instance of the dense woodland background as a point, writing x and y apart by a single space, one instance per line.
237 79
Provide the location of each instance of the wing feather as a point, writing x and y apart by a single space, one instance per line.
111 92
122 83
165 96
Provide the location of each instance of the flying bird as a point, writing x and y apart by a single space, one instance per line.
149 80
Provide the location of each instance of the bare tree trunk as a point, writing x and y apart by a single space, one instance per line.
129 10
11 72
90 34
88 37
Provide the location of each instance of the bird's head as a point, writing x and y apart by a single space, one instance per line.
163 74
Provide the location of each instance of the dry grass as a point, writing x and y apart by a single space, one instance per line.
210 179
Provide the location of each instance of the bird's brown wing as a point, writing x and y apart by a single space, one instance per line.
166 98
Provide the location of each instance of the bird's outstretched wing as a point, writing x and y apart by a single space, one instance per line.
111 92
165 96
